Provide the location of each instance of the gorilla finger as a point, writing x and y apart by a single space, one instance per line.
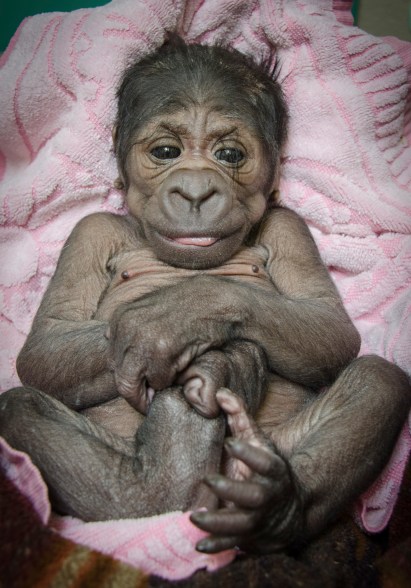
259 459
214 544
135 391
225 521
246 494
241 424
230 402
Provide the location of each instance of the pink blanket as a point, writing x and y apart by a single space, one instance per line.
347 170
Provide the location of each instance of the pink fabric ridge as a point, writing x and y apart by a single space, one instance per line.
346 170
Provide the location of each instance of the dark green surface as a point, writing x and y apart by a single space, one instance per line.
13 12
354 10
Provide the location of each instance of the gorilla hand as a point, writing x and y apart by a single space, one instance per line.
264 513
156 337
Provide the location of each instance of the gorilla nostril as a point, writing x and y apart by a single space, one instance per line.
196 188
197 202
195 196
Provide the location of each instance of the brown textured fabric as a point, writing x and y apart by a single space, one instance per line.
32 556
395 565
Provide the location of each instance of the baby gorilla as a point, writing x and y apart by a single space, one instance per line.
205 284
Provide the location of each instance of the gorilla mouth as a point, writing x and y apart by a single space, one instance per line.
194 251
195 241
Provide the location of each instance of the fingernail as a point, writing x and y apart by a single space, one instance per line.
203 546
150 394
223 390
212 479
196 516
231 442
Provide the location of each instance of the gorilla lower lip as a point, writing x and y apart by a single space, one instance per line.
196 241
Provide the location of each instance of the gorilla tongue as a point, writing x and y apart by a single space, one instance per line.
197 241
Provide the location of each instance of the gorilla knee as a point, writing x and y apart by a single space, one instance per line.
13 402
23 409
13 406
377 368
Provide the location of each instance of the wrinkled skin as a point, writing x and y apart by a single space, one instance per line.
264 502
200 288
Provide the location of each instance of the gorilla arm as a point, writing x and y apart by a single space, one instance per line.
66 352
314 336
300 322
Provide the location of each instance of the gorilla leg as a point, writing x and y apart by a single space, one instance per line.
342 440
95 475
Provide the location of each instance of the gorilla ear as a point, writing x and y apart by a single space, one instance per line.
119 182
274 198
273 183
114 134
277 176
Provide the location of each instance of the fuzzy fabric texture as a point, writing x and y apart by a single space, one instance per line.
346 169
163 545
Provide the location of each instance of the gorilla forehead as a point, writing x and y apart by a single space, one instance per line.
200 124
169 93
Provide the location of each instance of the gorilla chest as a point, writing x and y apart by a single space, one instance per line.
137 273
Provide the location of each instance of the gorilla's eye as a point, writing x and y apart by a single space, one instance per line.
165 152
231 155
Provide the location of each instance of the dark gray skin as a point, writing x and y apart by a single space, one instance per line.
189 318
